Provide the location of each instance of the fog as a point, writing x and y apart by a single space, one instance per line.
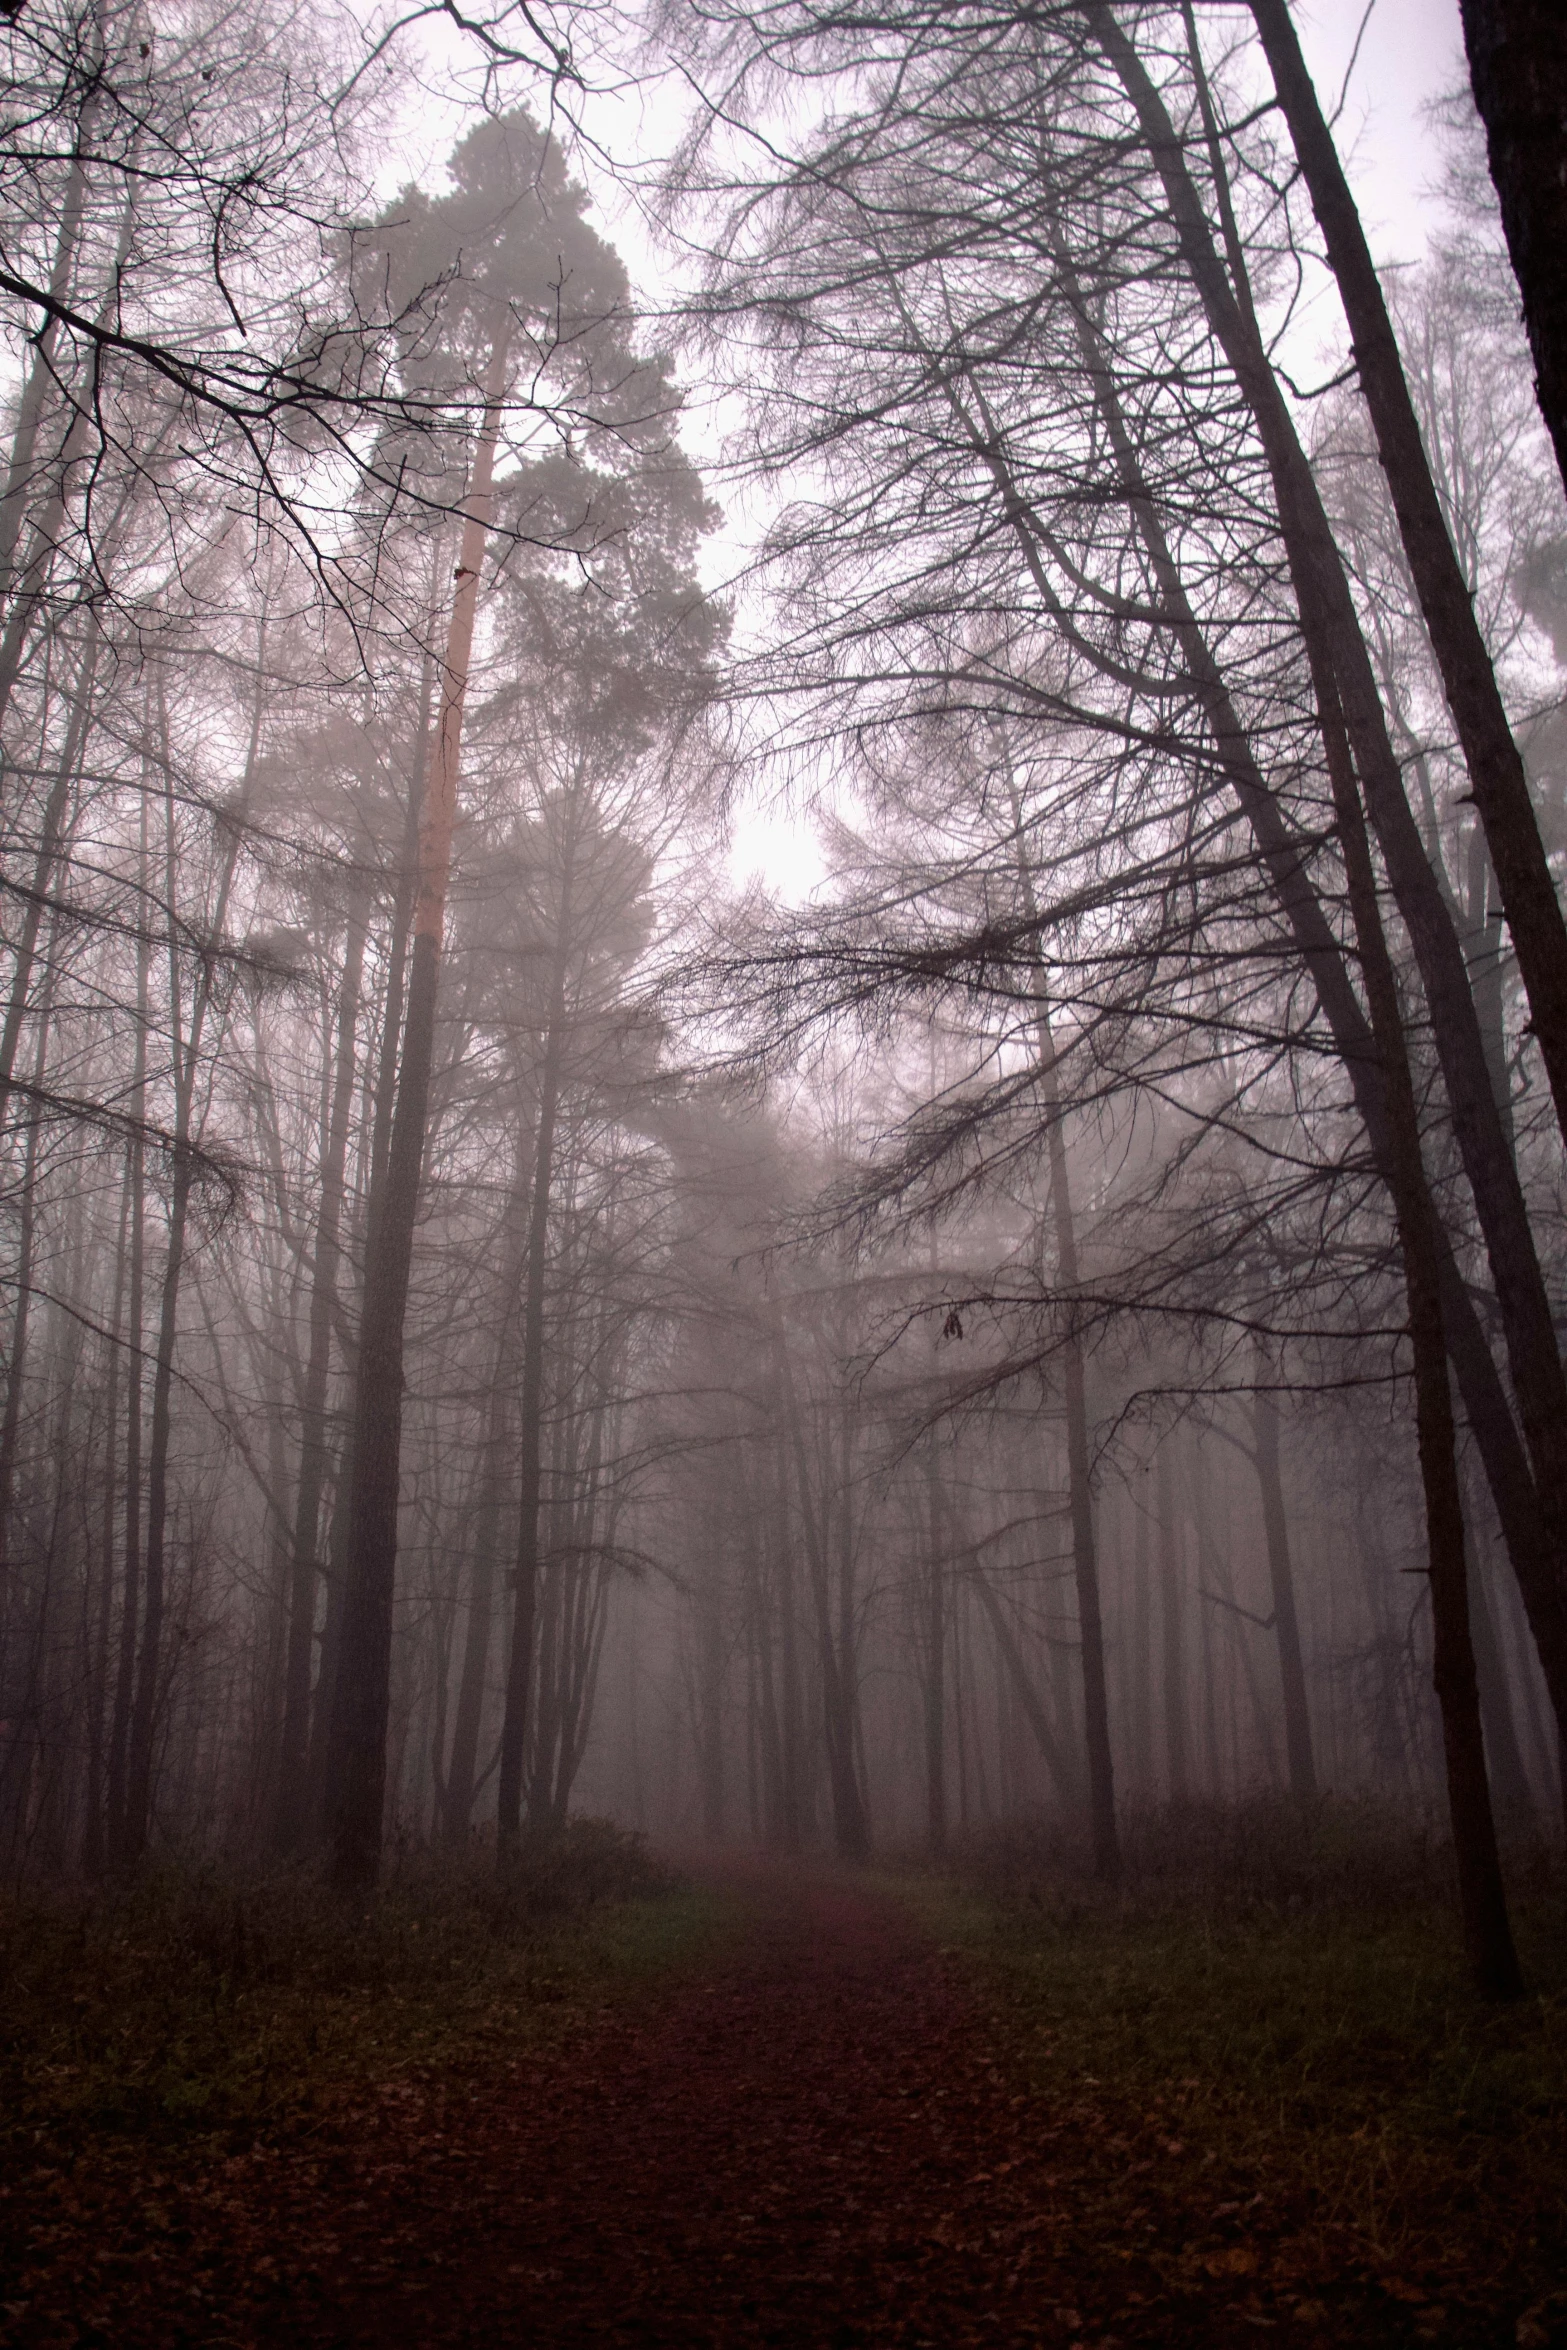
1038 1314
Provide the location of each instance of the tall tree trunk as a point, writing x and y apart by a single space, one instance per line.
530 1432
186 1059
1172 1624
130 1582
95 1821
50 841
792 1823
1085 1563
1504 1755
462 1767
934 1645
710 1696
1281 1576
293 1803
1487 1930
1140 1707
1515 69
1496 769
16 1350
850 1827
356 1755
1486 955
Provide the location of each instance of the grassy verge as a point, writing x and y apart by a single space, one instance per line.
189 2012
1278 2008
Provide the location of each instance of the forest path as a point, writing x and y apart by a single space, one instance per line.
819 2140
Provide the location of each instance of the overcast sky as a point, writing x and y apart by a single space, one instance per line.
1412 51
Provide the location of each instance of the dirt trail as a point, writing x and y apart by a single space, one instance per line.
818 2140
798 2148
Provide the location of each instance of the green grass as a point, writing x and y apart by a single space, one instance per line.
1286 1997
189 2008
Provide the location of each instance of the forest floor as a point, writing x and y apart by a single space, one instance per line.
803 2107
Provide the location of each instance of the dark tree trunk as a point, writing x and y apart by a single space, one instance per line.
186 1058
463 1767
710 1693
530 1430
356 1739
16 1347
293 1805
1520 88
1281 1575
130 1581
141 1750
1085 1563
1140 1706
934 1651
1509 1776
95 1823
1172 1622
1487 1930
792 1820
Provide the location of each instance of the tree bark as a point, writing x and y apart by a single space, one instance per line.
934 1601
130 1583
1172 1622
356 1752
1515 69
1487 1929
185 1055
1281 1575
1085 1563
293 1808
530 1416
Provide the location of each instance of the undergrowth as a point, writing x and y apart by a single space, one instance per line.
192 2004
1283 1993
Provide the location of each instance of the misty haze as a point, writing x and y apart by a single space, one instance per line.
783 1173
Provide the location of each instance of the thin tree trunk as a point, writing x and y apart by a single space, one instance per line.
1504 1755
530 1434
186 1059
95 1824
462 1767
49 845
1140 1708
293 1804
934 1599
1085 1563
130 1590
16 1350
1487 1931
1281 1575
1172 1619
